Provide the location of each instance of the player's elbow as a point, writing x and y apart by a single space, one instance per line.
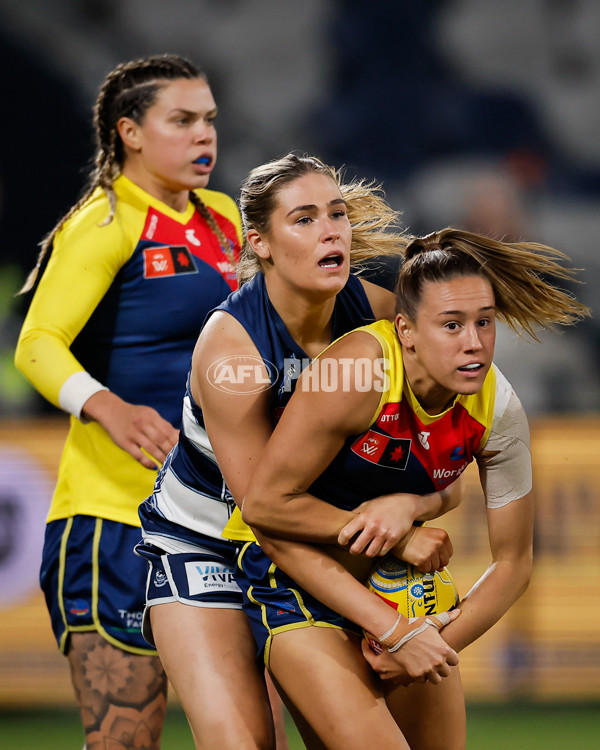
523 568
528 568
27 353
266 508
253 512
263 511
20 357
26 362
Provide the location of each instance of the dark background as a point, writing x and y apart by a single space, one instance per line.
477 113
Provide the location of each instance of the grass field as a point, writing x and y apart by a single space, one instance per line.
503 727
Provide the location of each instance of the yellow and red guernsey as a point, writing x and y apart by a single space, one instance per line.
406 449
119 301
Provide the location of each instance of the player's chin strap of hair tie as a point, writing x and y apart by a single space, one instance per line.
390 638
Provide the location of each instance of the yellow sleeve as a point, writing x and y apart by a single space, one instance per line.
226 206
84 261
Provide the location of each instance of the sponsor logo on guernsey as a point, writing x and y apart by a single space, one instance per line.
207 578
424 439
448 475
191 237
292 367
457 453
383 450
167 260
225 266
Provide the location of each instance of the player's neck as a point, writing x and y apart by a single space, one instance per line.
307 319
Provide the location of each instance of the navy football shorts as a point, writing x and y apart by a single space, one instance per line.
93 581
200 579
275 603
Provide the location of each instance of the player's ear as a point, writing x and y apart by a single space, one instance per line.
404 330
130 133
259 244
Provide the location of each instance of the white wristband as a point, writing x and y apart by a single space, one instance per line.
76 390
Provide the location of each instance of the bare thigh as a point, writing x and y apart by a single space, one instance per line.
209 656
432 717
330 688
122 696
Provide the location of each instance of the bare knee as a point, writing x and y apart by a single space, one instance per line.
432 717
330 686
209 655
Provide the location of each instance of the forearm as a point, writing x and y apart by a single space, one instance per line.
302 518
46 361
371 529
75 280
488 600
101 407
436 504
306 518
326 578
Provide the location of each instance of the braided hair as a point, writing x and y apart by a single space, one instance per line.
127 91
520 273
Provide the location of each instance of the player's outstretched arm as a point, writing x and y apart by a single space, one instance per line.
510 529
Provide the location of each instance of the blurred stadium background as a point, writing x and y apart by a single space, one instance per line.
478 113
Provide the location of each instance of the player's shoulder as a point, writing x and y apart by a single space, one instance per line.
94 209
509 418
89 220
218 201
382 300
375 338
365 341
505 398
222 336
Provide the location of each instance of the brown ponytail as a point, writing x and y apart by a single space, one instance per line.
522 275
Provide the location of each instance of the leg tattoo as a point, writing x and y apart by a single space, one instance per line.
122 696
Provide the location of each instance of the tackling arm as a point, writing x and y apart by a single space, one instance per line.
239 426
312 430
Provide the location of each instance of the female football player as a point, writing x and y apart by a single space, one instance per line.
397 407
133 269
303 228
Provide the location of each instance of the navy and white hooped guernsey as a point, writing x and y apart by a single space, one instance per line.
190 504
